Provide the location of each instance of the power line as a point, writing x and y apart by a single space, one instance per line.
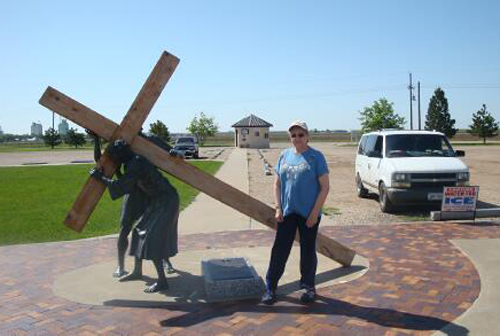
465 86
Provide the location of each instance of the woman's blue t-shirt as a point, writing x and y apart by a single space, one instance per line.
298 174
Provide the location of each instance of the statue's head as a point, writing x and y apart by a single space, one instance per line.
120 151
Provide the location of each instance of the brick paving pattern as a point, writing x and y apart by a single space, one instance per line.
418 282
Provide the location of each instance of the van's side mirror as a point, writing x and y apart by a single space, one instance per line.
460 153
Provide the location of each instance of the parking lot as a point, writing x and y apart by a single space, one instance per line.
346 208
483 161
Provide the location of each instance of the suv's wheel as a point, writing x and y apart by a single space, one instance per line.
384 201
361 190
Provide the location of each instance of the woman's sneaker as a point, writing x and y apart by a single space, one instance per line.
269 297
308 296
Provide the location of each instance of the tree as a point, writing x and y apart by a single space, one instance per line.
380 115
73 138
438 118
160 130
483 124
202 128
51 138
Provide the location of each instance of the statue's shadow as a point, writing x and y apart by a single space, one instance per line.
185 287
186 294
196 310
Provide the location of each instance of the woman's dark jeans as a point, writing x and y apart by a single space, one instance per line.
283 242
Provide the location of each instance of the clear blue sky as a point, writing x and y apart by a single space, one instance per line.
320 61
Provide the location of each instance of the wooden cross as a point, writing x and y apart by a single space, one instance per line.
128 130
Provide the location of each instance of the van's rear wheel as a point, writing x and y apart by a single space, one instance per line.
362 192
383 199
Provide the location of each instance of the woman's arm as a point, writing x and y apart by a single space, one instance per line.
324 185
277 199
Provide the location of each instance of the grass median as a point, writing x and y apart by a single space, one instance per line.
34 202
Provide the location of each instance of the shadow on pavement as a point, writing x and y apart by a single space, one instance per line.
199 311
187 288
390 318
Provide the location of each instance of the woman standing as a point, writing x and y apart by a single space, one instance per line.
300 190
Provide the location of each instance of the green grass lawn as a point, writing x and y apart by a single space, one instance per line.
34 202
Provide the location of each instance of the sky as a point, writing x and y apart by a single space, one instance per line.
317 61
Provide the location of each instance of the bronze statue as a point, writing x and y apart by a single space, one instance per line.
156 204
133 206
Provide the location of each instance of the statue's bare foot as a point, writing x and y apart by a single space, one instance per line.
119 272
131 277
156 287
168 266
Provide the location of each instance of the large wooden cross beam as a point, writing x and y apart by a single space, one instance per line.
128 129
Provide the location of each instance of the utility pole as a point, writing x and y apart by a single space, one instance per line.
53 120
418 95
410 87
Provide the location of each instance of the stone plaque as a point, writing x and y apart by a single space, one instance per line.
229 268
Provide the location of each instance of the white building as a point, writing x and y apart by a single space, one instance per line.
252 132
1 132
36 129
63 127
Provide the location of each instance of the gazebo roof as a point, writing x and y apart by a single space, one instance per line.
252 121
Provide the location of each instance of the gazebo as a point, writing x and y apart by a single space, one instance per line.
252 132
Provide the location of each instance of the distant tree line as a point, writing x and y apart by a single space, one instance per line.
381 115
52 138
7 137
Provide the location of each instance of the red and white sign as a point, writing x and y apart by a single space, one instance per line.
459 198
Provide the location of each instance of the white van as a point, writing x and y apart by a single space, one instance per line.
407 167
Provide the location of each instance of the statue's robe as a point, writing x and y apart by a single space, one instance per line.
155 234
133 207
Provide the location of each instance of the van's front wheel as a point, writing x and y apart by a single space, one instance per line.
383 199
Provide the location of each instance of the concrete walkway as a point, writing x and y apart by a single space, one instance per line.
206 214
481 318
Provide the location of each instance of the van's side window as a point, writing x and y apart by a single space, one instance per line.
362 145
370 143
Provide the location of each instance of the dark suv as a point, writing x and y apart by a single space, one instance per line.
187 146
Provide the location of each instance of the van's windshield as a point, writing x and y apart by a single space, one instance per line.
404 145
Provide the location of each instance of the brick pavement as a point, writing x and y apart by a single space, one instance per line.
417 282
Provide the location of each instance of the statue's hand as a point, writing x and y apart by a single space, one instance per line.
175 153
96 173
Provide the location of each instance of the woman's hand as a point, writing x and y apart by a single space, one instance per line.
279 215
311 220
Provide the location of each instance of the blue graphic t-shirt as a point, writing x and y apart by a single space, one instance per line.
299 173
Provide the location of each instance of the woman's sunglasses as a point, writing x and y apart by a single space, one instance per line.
300 135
